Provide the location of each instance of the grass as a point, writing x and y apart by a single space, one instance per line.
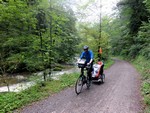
108 63
11 101
143 66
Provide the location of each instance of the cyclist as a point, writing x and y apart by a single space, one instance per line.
89 56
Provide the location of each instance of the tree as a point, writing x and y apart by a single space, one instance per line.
132 14
25 33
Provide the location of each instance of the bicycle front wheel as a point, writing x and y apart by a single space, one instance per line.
88 83
79 85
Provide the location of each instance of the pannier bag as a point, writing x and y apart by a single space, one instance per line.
81 63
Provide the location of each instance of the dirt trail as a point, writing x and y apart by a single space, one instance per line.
119 94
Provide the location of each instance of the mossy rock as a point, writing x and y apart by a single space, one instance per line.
57 69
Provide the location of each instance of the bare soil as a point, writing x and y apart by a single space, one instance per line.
119 94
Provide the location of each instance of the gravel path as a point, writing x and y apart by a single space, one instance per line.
119 94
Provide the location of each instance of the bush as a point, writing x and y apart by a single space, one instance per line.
143 67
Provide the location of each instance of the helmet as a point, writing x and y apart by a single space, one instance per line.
85 47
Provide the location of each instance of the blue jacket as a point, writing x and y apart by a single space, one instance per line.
87 55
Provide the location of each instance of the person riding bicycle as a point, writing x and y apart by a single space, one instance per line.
89 57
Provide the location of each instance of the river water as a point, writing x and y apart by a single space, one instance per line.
24 84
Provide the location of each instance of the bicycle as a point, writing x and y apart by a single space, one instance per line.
83 78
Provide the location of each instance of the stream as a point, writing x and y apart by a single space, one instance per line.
24 84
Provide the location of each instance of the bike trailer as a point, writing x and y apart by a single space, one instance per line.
97 68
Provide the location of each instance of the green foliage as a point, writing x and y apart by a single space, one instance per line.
108 63
90 36
143 67
143 39
133 23
26 43
146 90
12 101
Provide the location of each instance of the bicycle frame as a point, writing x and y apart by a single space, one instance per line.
85 68
82 79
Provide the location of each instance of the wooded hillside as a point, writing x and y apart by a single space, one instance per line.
34 33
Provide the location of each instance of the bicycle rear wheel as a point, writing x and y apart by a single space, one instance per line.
103 78
79 85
